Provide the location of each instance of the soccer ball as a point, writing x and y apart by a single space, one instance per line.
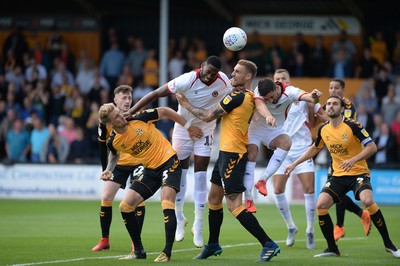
234 39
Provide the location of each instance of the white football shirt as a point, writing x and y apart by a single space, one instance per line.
279 110
199 94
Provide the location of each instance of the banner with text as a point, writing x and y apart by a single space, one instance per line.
314 25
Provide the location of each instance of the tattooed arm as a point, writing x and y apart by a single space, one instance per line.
112 162
205 115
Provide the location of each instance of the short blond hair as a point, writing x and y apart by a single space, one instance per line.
105 111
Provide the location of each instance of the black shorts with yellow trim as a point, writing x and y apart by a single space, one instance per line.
168 174
229 172
123 172
338 186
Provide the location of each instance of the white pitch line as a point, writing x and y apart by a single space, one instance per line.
173 251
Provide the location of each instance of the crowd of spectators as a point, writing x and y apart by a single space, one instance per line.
50 96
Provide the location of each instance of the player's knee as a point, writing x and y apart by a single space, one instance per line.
125 207
367 202
252 154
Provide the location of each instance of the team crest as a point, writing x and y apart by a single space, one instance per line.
214 94
365 133
347 113
345 137
227 99
139 131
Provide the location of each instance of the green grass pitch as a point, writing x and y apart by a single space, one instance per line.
57 232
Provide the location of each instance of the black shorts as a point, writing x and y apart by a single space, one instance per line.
122 173
168 174
229 172
338 186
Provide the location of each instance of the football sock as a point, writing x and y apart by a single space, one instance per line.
380 224
140 213
310 207
105 218
274 163
352 206
170 228
250 222
215 218
283 207
248 180
326 225
131 224
180 197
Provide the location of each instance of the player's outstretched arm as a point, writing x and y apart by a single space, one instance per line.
262 109
147 99
206 115
194 131
310 153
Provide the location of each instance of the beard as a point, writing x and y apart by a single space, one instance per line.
333 114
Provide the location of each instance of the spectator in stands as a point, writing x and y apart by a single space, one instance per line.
396 54
62 76
39 135
40 98
344 44
386 144
55 148
341 65
56 105
79 112
297 56
136 58
140 91
200 49
274 50
112 63
176 65
378 120
84 76
67 128
365 118
5 125
84 57
390 105
54 43
17 77
395 129
91 131
126 77
382 82
151 70
16 44
379 49
79 148
28 109
17 142
11 101
254 51
35 66
67 57
367 98
368 66
319 59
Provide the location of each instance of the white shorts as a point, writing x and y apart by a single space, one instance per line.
258 135
185 147
304 167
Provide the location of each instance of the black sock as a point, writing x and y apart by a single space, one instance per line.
215 218
250 222
352 206
140 213
105 220
132 226
325 222
170 228
380 224
340 211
